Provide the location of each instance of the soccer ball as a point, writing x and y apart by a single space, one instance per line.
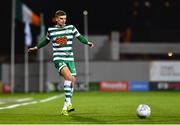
143 111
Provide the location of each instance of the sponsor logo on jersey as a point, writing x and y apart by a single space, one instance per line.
61 40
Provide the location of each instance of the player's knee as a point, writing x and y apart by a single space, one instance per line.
69 78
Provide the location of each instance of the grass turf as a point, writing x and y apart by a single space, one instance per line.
95 108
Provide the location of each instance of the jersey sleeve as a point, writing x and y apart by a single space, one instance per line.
82 39
47 35
75 32
43 41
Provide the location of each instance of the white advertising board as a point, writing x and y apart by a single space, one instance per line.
165 71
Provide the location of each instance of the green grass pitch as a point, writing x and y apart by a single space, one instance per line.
92 107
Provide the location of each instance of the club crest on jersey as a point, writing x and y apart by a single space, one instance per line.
61 40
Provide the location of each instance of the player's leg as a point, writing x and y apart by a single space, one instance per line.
72 69
68 79
66 74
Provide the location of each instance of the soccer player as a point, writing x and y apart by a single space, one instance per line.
61 36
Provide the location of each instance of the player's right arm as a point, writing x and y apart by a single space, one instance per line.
43 42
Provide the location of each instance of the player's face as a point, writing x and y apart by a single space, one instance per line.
61 20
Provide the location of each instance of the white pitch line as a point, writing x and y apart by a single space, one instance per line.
32 102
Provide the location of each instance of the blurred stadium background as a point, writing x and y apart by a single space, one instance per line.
136 46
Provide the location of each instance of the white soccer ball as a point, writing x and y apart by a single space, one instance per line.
143 111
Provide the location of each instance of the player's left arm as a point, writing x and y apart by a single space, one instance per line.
82 39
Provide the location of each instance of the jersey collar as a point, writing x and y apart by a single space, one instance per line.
59 26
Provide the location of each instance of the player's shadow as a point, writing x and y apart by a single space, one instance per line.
85 119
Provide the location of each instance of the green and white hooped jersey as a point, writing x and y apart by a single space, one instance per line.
62 39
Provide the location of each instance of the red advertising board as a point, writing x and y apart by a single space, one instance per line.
174 86
114 86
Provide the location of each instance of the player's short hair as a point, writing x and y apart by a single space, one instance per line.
60 13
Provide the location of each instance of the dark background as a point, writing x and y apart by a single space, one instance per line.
154 21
